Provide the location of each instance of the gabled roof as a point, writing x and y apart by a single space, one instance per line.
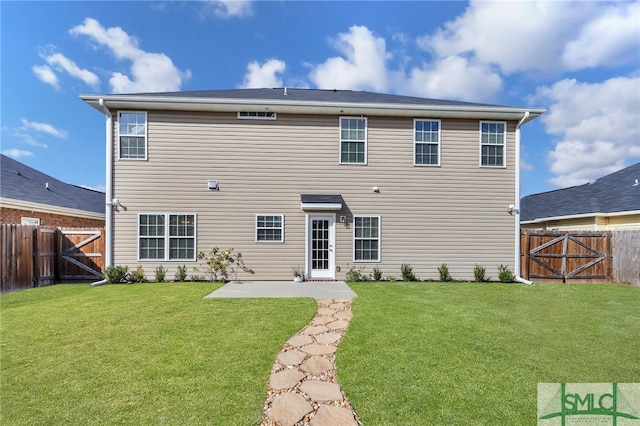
19 182
307 101
614 193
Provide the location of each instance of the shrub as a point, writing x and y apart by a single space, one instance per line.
505 275
407 272
160 273
479 273
181 273
138 274
443 270
392 279
377 274
355 275
116 274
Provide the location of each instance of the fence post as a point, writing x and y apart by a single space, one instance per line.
35 278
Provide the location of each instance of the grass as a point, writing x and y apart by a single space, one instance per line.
418 353
139 354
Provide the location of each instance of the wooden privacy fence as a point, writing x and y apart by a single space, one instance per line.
33 256
580 256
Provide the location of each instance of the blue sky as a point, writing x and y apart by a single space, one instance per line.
579 60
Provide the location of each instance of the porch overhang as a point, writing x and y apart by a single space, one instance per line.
323 202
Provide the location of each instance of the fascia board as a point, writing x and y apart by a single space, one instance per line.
308 107
580 216
47 208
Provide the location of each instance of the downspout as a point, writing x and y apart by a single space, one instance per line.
108 240
516 210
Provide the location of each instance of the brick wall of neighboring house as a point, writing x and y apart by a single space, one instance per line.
14 216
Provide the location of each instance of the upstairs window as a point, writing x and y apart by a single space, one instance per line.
262 115
132 134
492 143
353 140
426 142
270 228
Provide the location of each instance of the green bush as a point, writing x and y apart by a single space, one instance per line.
181 273
356 274
505 275
407 272
160 273
479 272
116 274
443 270
138 274
377 274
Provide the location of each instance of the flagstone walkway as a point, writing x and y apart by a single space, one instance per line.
303 389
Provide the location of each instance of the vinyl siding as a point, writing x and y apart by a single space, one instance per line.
600 223
454 214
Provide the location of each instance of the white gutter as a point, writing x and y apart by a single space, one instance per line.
108 241
516 209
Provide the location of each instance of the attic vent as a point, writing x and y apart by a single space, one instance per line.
636 183
257 115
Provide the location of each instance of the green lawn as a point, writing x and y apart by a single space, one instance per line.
447 354
139 354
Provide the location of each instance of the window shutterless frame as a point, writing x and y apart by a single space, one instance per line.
353 140
132 135
269 228
426 142
493 144
366 238
167 235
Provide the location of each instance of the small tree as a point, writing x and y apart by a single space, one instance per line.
160 273
443 270
377 274
181 273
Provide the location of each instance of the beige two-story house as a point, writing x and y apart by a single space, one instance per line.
324 179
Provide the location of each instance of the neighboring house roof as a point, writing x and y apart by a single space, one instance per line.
614 193
21 183
308 101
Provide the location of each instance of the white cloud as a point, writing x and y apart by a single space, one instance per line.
46 75
540 35
150 72
264 75
454 78
611 38
62 63
17 153
364 65
597 124
231 8
44 128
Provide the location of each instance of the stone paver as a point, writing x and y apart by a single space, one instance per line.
288 409
316 365
302 387
285 379
331 415
291 358
300 340
321 391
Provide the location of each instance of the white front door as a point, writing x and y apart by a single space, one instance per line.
321 235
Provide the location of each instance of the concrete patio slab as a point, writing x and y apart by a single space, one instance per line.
284 289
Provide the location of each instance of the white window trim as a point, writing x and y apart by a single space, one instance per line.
504 145
167 238
146 139
366 139
248 117
30 221
255 223
415 142
379 238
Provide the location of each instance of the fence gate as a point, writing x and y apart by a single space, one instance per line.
81 254
581 256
